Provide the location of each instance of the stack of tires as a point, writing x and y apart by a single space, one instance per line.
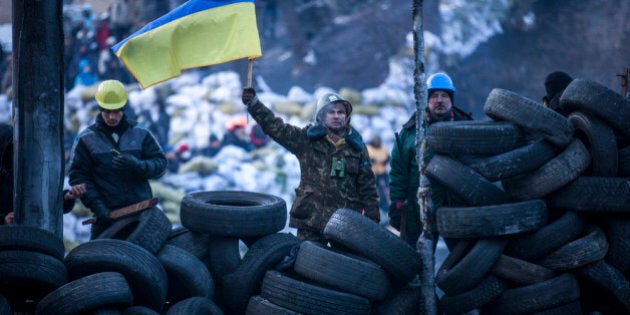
363 269
140 265
546 226
31 266
367 267
132 268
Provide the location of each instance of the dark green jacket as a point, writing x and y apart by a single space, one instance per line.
404 177
322 189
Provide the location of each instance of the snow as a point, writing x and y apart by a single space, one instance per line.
6 36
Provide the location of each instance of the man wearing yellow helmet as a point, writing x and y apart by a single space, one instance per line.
114 157
334 163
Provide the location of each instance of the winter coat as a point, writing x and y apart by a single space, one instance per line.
379 158
405 178
332 176
91 163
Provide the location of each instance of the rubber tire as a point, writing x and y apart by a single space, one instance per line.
488 290
609 105
30 238
187 275
618 234
99 290
465 182
552 176
474 137
593 195
624 162
587 249
400 302
29 275
608 278
350 274
144 272
535 245
149 229
195 306
349 228
503 104
245 281
192 242
554 292
520 271
233 213
304 297
600 140
494 220
463 270
260 306
519 161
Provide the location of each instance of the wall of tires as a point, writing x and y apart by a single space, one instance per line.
546 225
142 265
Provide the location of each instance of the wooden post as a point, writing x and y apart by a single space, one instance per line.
250 66
426 241
38 113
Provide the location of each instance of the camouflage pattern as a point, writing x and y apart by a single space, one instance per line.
332 176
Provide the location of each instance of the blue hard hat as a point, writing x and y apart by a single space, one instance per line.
440 81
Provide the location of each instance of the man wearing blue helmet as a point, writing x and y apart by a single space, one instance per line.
404 175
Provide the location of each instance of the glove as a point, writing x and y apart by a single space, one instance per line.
395 213
126 161
102 214
249 94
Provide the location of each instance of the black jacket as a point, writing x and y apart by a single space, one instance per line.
91 163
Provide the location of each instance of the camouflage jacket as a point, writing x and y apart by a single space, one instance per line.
332 176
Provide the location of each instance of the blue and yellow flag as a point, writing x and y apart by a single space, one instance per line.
198 33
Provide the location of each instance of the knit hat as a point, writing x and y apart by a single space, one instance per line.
556 82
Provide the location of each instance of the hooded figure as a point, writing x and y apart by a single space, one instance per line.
555 83
334 163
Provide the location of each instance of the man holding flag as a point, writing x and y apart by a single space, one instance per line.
334 163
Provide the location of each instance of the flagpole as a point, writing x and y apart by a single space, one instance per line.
250 66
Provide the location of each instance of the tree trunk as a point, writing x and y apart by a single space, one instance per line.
38 113
426 242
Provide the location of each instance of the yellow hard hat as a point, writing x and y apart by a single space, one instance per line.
111 95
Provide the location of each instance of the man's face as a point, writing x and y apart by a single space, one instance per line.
439 103
335 118
112 117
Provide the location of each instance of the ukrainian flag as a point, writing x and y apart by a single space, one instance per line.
197 33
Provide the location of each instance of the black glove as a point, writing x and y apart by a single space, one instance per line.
126 161
102 214
249 94
395 213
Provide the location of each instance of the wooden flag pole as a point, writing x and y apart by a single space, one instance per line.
250 66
